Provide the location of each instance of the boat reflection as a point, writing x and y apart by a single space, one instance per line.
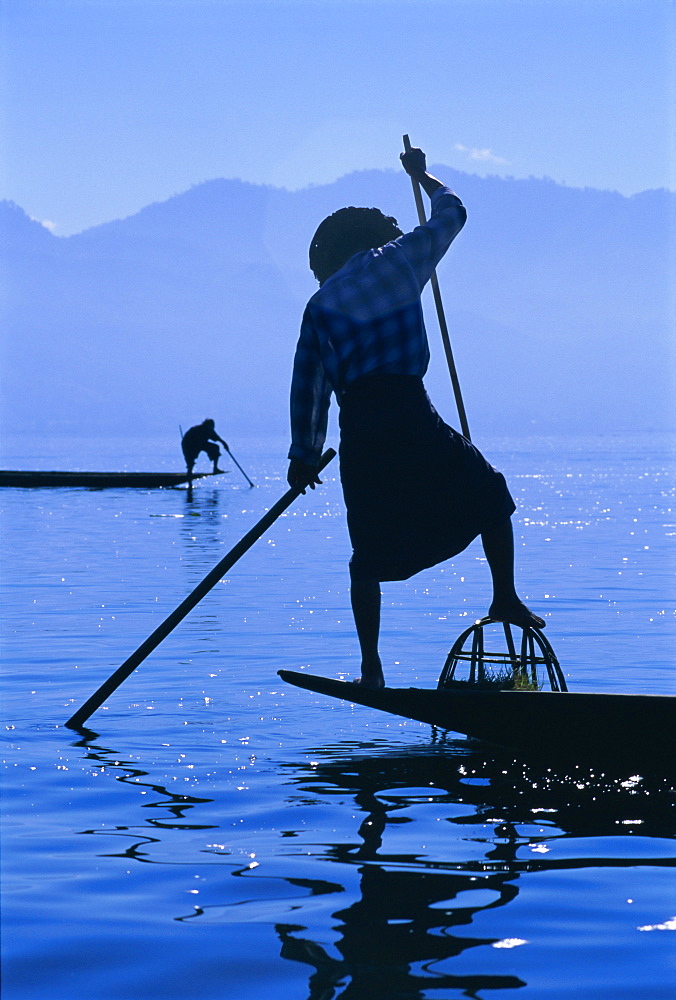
412 917
202 522
431 838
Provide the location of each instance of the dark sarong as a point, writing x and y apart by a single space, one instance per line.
417 492
195 441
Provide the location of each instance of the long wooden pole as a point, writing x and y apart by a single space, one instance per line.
446 340
238 466
77 720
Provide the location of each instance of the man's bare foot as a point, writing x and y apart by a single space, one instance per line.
370 682
371 675
516 613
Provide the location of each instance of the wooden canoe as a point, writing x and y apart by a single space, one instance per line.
99 480
551 723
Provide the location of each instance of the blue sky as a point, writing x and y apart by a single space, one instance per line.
109 105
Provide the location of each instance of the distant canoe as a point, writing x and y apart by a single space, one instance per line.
575 725
99 480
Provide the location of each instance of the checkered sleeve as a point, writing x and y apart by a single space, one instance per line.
426 245
310 396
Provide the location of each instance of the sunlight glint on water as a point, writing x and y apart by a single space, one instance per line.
225 836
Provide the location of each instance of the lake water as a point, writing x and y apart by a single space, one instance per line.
221 835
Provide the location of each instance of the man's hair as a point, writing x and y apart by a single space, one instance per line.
345 233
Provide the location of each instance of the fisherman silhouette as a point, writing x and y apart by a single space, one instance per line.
200 438
416 491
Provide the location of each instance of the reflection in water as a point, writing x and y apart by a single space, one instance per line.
395 931
176 806
202 537
393 939
202 523
396 940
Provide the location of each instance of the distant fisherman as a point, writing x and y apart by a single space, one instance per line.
200 438
417 492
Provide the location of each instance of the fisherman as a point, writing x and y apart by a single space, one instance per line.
417 492
202 438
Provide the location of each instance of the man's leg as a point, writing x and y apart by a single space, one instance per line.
507 606
189 460
214 453
365 595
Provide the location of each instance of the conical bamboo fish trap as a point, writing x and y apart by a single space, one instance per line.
484 656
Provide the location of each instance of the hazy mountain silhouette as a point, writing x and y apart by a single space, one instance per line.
557 300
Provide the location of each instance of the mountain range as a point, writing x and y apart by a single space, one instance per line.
557 299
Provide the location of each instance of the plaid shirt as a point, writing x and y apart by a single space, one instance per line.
367 318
